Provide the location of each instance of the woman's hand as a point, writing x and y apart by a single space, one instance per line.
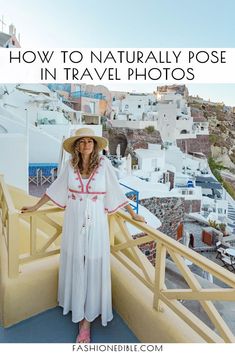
25 209
34 208
134 215
139 218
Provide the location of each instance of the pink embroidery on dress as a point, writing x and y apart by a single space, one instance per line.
73 197
89 192
80 179
94 198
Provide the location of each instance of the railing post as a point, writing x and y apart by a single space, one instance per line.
159 274
33 230
13 245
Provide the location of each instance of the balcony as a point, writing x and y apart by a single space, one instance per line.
165 303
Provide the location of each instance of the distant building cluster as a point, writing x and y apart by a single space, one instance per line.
8 39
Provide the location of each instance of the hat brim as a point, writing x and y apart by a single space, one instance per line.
69 142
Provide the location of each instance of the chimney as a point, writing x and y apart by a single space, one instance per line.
12 30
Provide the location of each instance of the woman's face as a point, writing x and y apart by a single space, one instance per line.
85 145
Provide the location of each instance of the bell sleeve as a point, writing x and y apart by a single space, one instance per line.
58 190
114 198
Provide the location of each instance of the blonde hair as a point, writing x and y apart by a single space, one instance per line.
76 160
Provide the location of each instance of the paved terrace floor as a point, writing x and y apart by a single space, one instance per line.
52 326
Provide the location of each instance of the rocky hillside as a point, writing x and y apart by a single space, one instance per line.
222 140
130 139
222 133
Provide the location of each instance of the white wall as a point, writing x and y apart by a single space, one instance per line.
50 115
135 105
13 160
154 147
174 156
59 131
42 146
134 124
167 121
184 125
44 141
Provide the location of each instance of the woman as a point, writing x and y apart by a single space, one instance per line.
88 188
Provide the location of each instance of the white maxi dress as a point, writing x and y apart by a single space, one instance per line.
84 275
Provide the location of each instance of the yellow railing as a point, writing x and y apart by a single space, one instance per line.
125 249
11 228
126 252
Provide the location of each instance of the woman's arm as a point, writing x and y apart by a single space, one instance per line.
40 203
134 215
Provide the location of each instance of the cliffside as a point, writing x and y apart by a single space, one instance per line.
221 141
222 132
130 139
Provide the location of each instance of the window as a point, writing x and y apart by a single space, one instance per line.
166 177
139 106
220 210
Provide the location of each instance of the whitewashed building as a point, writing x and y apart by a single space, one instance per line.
133 107
174 117
167 112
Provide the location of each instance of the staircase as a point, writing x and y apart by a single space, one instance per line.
231 216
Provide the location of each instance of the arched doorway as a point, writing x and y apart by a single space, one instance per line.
114 141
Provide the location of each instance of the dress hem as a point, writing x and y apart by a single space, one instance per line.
84 317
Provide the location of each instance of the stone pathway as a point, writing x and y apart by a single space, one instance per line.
196 230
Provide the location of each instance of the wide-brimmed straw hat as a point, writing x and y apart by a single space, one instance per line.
84 132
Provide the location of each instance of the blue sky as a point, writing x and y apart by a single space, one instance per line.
127 23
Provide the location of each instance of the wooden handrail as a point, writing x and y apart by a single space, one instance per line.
171 297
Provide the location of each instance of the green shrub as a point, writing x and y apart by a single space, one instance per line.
229 188
215 167
149 129
212 139
213 224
